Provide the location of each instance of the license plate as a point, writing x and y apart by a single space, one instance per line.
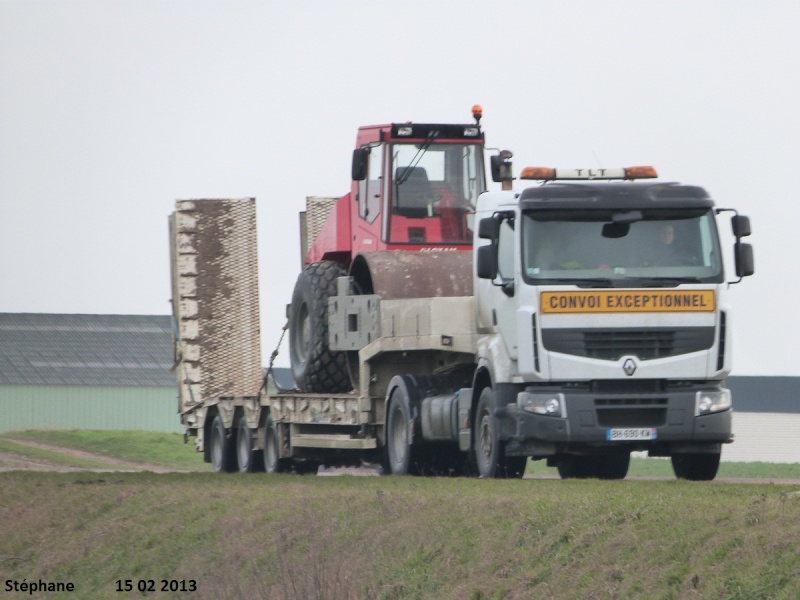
631 434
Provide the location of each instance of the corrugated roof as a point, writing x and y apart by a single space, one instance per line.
61 349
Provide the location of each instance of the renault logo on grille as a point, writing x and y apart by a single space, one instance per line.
629 366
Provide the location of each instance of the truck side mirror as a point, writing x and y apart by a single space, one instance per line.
740 225
360 160
489 229
743 257
500 165
486 261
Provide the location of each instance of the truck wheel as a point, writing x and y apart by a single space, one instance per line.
576 467
223 453
489 451
272 461
696 467
245 457
315 367
613 465
398 433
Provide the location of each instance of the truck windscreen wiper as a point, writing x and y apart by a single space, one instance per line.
664 281
584 282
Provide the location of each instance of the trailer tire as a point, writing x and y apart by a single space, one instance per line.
271 449
696 467
315 367
223 450
246 458
398 433
489 451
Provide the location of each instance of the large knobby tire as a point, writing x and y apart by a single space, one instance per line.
398 433
223 451
489 452
247 460
315 367
696 467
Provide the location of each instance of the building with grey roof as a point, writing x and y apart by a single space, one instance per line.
78 371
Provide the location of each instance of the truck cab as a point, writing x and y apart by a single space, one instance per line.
604 302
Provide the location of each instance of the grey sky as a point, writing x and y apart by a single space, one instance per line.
111 110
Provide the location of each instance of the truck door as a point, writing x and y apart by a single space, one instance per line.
504 304
366 229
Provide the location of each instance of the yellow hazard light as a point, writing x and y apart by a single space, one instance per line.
477 111
549 174
640 172
538 173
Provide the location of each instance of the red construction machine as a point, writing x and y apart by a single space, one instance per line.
399 233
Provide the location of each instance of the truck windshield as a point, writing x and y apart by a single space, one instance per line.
600 248
439 183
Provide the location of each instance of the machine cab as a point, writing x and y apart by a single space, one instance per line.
416 186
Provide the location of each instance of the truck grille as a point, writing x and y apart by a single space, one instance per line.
647 412
612 344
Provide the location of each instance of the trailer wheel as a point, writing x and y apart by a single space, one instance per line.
489 452
398 433
223 453
272 461
696 467
246 459
315 367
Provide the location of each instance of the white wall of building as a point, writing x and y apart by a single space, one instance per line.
764 437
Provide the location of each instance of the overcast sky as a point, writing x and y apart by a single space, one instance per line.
112 110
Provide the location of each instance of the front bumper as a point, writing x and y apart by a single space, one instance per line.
590 416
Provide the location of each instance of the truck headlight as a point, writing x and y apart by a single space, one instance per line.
551 405
712 401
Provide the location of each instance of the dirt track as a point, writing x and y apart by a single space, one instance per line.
11 461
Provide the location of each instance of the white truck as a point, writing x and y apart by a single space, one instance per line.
593 323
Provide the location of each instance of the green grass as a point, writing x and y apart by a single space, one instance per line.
294 537
662 467
163 449
389 538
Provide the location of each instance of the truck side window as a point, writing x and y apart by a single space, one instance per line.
505 251
369 190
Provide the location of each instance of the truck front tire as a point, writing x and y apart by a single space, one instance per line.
612 465
696 467
315 367
489 452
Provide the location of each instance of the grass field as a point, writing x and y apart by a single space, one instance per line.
297 537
